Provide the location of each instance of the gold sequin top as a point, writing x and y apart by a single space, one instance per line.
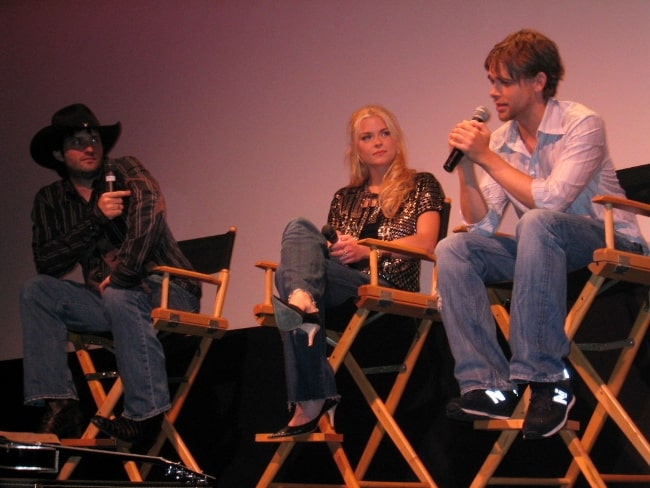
355 211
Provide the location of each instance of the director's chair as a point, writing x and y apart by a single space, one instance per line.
373 301
210 258
609 267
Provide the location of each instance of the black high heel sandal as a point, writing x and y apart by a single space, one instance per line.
289 317
329 406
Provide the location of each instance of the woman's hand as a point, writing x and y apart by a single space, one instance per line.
347 251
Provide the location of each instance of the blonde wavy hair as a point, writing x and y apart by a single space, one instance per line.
399 180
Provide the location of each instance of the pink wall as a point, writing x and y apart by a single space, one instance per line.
239 108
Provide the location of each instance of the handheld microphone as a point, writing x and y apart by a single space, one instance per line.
481 114
110 180
329 233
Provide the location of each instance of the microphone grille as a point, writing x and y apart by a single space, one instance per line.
482 114
329 233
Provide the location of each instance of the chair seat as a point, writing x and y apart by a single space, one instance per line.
620 265
180 322
398 302
377 299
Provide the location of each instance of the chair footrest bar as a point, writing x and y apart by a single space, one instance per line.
626 478
102 375
314 437
102 443
516 424
362 484
389 368
605 346
497 480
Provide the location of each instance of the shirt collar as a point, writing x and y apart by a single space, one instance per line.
552 120
551 124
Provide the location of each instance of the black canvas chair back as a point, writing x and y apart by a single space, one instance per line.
209 254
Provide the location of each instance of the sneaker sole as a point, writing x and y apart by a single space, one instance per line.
530 436
478 415
463 416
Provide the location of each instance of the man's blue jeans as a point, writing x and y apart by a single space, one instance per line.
546 246
49 307
305 265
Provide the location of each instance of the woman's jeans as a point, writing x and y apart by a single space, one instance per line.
546 246
49 307
305 265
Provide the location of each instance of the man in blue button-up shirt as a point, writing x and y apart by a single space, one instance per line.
547 160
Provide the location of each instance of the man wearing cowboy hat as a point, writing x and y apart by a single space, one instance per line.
108 216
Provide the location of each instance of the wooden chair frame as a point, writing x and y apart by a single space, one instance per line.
608 265
105 403
373 301
206 326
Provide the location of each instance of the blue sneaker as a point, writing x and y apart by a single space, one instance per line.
482 404
548 410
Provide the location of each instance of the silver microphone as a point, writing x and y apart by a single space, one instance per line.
110 180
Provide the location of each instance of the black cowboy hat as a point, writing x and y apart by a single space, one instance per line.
64 122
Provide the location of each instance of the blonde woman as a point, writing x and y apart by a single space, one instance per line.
385 200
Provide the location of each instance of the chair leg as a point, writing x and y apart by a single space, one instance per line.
609 402
605 394
337 356
383 412
338 455
388 425
582 459
493 460
392 400
501 446
279 457
615 383
105 410
168 431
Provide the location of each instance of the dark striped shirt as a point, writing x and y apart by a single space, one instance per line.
68 231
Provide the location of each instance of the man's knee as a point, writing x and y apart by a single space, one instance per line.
452 246
118 297
535 221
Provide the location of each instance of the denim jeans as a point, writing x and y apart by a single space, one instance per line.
546 246
305 264
49 307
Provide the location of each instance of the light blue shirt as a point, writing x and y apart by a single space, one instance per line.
569 166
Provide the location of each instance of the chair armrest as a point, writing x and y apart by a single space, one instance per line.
610 203
221 281
186 273
269 268
459 228
398 248
266 265
634 206
376 245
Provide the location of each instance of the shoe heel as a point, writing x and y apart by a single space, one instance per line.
331 412
310 330
288 317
